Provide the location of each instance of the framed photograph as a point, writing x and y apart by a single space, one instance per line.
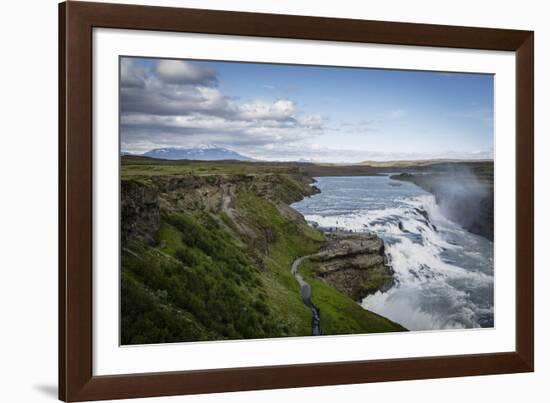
252 201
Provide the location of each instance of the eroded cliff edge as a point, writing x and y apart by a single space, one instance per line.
206 256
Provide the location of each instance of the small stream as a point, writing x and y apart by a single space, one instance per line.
305 292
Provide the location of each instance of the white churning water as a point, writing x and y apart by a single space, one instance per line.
444 274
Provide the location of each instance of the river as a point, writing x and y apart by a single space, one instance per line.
443 273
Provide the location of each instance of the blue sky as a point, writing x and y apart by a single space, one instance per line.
289 112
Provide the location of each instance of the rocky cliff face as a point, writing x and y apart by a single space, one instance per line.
209 256
354 264
139 211
142 202
218 192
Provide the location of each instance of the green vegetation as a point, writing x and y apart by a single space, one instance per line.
203 281
141 167
286 239
209 270
339 313
203 276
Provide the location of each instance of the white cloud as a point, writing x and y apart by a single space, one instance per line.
131 75
278 110
182 72
178 103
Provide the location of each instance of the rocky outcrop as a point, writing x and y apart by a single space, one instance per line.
215 192
354 263
140 212
142 201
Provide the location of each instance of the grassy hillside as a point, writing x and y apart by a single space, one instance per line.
213 260
339 313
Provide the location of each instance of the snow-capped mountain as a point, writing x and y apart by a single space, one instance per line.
203 154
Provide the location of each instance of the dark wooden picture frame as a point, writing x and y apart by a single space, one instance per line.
76 23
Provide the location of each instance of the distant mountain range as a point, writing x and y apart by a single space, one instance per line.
202 154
